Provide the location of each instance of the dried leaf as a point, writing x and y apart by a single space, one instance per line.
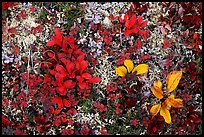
166 115
121 71
129 64
141 69
172 80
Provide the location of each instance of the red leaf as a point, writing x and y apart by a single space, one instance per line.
168 63
127 32
139 20
132 21
32 9
58 34
69 84
94 80
70 67
134 30
57 111
63 119
144 24
138 44
57 122
82 85
61 90
71 112
83 66
5 121
52 110
58 100
195 36
86 75
66 103
97 105
145 57
134 123
60 69
51 43
59 79
67 131
195 119
166 44
50 54
154 129
71 43
118 110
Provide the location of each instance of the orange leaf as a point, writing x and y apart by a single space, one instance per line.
166 115
175 102
172 80
166 105
155 109
157 89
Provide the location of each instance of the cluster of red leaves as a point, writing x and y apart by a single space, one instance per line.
190 123
139 7
191 69
69 70
153 125
194 42
134 25
192 118
6 5
138 45
134 123
70 65
107 37
189 14
100 106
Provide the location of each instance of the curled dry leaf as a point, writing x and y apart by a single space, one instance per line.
172 80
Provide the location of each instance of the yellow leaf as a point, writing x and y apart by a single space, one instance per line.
158 84
157 92
177 103
157 89
172 80
155 109
121 71
166 115
141 69
129 64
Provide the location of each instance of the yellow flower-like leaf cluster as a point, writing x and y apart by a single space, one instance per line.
172 81
129 68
